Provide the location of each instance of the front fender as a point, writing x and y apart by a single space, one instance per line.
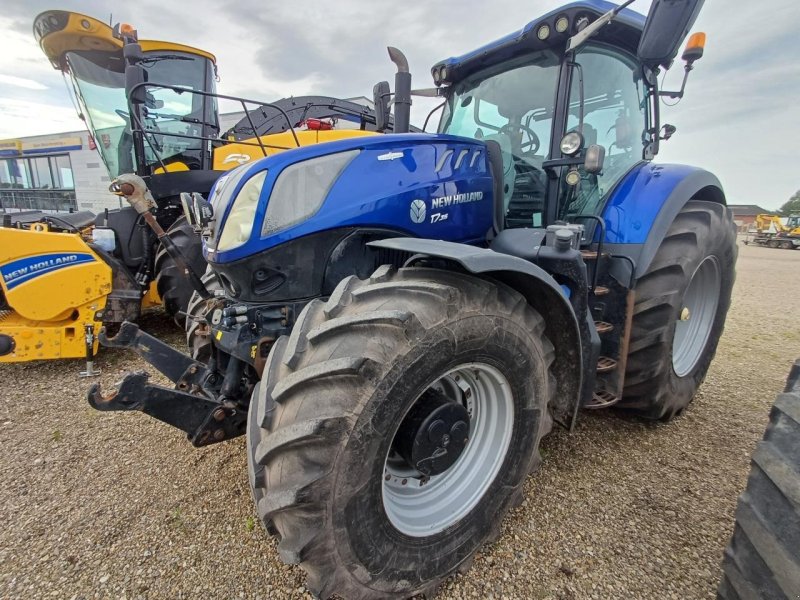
645 203
542 293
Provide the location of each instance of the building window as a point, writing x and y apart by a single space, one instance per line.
38 183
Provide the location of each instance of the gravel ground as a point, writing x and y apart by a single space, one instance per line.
117 505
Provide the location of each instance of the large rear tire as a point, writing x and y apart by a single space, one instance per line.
343 395
679 313
763 557
172 283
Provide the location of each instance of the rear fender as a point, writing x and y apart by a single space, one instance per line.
645 203
542 293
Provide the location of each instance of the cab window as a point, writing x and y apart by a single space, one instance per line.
614 116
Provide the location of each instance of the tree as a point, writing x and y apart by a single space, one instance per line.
792 206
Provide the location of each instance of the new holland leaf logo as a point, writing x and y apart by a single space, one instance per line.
418 211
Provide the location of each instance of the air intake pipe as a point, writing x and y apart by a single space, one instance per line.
402 91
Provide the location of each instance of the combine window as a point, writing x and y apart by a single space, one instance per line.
173 122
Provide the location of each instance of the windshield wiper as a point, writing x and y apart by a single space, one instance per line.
155 59
588 31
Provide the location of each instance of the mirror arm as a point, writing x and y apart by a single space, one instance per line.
679 94
429 92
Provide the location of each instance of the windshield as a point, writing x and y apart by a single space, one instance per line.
513 106
99 80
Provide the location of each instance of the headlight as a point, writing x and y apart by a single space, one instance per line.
571 143
239 223
562 24
301 189
221 194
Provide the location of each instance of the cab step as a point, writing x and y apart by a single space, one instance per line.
600 290
606 364
601 399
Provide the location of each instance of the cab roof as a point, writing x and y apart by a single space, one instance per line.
60 31
624 31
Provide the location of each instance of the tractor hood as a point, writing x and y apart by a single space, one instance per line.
432 186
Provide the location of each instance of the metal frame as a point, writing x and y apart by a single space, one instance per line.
143 134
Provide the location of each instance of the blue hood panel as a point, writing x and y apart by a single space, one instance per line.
422 185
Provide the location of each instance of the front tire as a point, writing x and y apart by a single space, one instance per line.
679 313
172 283
345 395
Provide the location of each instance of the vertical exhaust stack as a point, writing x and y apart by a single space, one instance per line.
402 91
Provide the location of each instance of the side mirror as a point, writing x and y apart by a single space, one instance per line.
151 102
380 95
203 212
186 204
197 210
134 73
594 158
667 131
668 23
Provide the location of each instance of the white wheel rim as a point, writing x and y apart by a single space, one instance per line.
697 316
419 508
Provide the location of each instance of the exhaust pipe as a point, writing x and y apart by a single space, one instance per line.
402 91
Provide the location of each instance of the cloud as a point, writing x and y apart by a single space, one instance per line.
23 117
22 82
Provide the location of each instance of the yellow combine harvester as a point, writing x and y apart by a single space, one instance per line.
151 107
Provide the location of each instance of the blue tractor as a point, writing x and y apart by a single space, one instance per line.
402 317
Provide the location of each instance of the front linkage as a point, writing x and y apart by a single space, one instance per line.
197 405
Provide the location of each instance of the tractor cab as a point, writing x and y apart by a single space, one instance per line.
570 102
166 130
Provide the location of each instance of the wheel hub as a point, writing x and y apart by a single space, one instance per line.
434 433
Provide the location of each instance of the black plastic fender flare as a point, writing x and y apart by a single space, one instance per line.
542 292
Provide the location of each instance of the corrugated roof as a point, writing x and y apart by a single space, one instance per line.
747 209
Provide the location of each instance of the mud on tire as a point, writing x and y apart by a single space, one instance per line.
324 417
701 234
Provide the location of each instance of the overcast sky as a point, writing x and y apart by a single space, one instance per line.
740 118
